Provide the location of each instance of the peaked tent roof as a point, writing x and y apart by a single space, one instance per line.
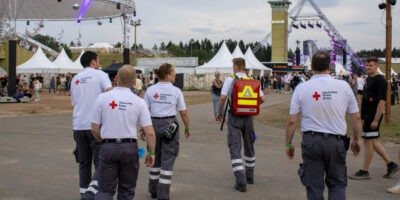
38 63
222 61
253 61
65 64
77 62
3 72
237 53
391 72
340 70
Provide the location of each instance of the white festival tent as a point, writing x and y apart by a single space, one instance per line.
254 62
38 63
222 62
77 62
340 70
237 53
65 65
391 72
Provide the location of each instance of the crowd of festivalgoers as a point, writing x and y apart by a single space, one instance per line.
32 85
286 83
278 83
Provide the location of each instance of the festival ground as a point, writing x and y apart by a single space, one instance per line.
37 163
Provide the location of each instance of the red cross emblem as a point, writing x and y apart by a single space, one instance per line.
156 96
316 96
113 105
77 82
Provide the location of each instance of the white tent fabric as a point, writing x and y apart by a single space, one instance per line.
391 72
222 62
101 45
253 62
77 62
340 70
3 72
65 65
237 53
38 63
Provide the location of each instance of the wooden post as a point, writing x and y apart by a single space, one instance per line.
388 59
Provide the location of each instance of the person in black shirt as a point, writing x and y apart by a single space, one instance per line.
266 82
372 107
296 80
395 90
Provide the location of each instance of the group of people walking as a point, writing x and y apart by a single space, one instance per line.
105 130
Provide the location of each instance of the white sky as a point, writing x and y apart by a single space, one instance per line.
359 21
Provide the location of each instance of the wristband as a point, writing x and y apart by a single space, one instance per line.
152 154
187 129
288 145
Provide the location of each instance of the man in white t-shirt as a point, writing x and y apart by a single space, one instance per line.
114 120
323 103
360 86
138 86
86 86
286 79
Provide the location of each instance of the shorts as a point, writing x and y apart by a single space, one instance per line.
266 85
369 133
360 92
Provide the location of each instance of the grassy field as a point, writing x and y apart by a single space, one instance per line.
273 117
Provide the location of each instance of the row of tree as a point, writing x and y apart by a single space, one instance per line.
204 49
378 53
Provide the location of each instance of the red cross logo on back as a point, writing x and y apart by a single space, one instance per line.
316 96
77 82
113 105
156 96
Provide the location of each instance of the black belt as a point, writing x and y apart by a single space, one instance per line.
326 135
119 140
169 117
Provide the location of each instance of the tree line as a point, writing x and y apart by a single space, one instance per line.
204 49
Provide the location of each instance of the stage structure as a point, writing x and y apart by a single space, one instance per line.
294 19
12 11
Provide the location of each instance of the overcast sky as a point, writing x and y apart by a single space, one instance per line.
359 21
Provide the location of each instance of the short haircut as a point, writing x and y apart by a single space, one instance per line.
216 73
321 61
163 71
240 62
126 75
372 59
87 58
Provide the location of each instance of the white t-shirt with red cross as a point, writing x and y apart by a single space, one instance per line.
118 112
164 100
85 88
323 103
